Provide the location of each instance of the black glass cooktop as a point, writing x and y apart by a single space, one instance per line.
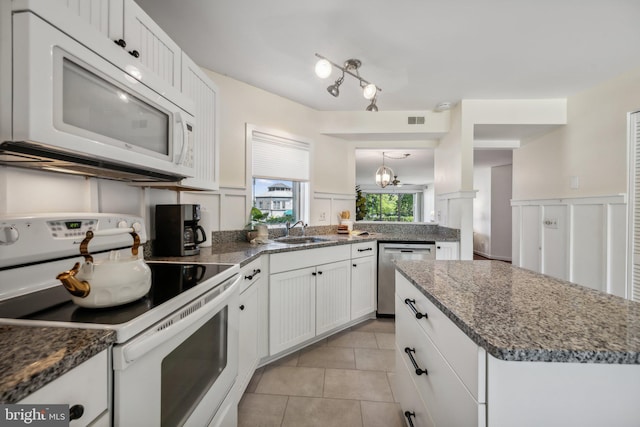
54 304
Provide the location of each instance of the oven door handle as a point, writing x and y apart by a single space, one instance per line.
138 348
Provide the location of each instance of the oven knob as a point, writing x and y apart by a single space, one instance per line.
8 235
123 224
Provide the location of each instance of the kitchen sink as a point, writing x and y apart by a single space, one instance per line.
293 240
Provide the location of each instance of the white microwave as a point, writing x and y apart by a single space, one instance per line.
75 111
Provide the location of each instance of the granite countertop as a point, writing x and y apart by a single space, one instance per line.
34 356
519 315
244 252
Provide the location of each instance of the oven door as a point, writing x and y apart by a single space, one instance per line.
69 99
180 371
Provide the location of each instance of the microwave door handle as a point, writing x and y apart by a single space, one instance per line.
185 137
139 348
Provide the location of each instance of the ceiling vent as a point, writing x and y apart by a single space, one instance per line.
415 120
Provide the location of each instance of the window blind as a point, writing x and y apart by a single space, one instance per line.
278 157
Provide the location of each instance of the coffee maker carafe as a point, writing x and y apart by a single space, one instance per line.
177 230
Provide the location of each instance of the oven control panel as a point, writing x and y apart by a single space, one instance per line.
71 228
41 237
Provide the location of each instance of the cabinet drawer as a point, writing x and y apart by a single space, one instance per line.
407 393
466 358
363 249
447 399
84 385
251 273
285 261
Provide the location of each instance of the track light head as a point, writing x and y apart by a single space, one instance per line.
334 88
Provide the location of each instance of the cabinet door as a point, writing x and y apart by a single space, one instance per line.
103 15
447 251
247 337
292 308
333 296
363 286
203 92
154 47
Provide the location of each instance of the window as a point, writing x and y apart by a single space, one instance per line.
402 207
280 176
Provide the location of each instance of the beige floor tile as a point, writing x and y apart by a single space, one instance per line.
392 382
386 340
376 325
292 381
374 359
353 339
359 385
381 414
261 410
327 357
290 360
317 412
253 383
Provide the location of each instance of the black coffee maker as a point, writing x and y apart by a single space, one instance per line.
177 230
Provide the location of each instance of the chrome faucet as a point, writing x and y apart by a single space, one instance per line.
289 227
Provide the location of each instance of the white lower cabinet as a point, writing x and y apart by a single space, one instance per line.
253 279
309 294
447 251
85 387
364 264
446 367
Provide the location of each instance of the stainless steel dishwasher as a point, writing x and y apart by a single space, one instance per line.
388 252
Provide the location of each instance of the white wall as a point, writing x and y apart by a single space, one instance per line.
592 146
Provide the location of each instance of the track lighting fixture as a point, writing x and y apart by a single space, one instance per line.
351 66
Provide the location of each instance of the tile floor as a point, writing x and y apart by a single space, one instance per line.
344 381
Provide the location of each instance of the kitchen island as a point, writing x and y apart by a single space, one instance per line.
506 346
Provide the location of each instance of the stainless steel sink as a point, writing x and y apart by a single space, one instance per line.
294 240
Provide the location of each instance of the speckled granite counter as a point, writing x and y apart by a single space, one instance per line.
519 315
33 356
244 252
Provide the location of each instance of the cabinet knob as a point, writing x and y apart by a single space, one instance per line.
120 43
134 53
242 307
75 412
355 265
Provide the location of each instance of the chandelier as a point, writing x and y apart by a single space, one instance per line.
324 67
384 174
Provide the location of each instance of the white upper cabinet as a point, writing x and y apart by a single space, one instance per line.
204 94
146 41
135 39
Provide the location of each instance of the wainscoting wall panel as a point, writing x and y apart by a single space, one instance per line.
582 240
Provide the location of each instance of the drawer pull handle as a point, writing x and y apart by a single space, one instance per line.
364 250
76 412
408 415
413 361
252 275
410 303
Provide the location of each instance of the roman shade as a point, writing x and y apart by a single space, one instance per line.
279 157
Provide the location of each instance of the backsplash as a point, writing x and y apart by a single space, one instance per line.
387 228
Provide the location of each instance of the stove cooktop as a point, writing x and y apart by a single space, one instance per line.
54 304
